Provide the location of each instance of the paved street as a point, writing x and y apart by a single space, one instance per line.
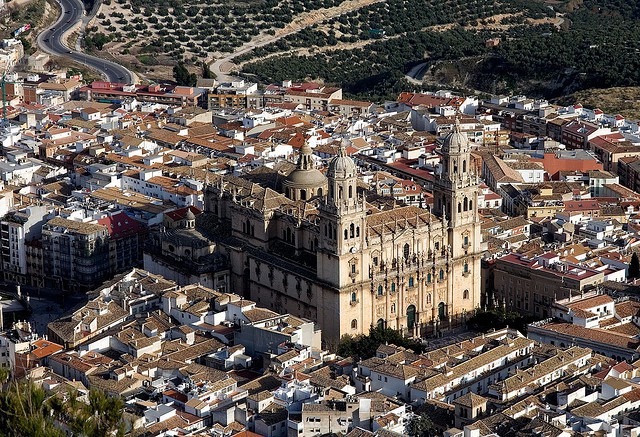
52 41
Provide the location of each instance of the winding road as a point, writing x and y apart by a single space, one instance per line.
52 41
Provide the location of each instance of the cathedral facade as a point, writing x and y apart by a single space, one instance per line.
319 250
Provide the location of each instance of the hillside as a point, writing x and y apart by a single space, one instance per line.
546 49
618 100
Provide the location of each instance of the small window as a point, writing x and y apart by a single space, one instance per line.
375 260
428 278
380 290
465 294
406 250
465 268
354 297
354 324
393 287
466 240
441 274
410 281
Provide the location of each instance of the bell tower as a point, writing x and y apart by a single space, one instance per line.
455 188
455 192
342 222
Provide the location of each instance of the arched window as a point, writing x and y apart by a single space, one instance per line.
393 287
393 308
459 207
350 191
380 290
465 294
464 166
466 204
357 231
346 234
465 268
466 240
471 205
352 231
380 324
441 274
410 281
303 194
340 193
354 297
429 298
320 192
354 324
428 278
405 251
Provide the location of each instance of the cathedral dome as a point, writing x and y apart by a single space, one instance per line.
189 215
342 167
305 181
456 141
306 178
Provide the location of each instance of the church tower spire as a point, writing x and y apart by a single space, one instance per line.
342 221
455 187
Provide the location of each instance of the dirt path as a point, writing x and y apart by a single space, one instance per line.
222 67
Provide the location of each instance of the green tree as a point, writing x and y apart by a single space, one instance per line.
27 411
421 426
365 346
206 71
483 321
182 75
634 267
101 417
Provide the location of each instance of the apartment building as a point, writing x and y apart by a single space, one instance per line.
18 228
76 253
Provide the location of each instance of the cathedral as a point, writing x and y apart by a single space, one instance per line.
313 245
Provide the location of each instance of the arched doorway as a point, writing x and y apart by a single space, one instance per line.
380 324
442 311
411 316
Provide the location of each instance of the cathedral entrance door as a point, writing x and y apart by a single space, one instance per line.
442 313
411 316
380 324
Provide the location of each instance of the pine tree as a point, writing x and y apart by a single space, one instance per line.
634 267
206 71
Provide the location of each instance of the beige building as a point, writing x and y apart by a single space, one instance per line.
531 285
330 256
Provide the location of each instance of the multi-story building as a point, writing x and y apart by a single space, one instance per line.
126 241
17 229
329 256
531 285
76 253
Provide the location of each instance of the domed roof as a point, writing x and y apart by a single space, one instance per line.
189 215
306 175
342 166
306 178
456 141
